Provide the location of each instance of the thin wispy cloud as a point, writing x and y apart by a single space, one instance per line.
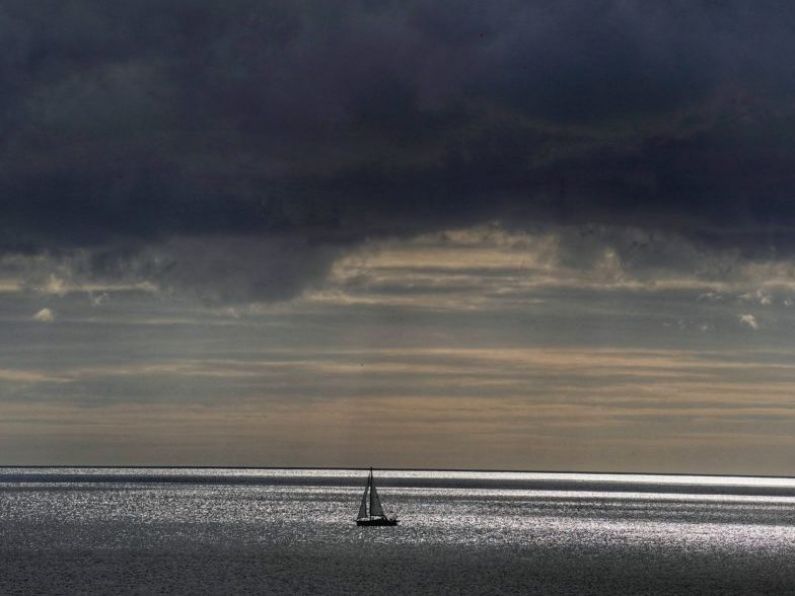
45 315
750 321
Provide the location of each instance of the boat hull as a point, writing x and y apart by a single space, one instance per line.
376 522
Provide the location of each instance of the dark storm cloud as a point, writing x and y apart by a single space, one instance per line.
275 134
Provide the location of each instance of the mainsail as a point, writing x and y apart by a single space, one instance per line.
375 503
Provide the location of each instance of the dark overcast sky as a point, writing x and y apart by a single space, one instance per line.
324 124
579 175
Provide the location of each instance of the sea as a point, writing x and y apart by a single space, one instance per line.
292 531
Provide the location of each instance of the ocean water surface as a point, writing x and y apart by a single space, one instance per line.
274 531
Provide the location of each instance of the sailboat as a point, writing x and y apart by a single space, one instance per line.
371 513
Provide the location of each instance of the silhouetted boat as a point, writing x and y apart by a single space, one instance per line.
370 511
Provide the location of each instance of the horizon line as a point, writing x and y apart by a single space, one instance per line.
388 469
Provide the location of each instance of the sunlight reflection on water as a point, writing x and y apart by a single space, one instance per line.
547 538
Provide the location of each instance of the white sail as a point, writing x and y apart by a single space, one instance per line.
375 503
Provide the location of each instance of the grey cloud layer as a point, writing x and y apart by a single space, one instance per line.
273 135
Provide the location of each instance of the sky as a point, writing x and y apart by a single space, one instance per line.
534 235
